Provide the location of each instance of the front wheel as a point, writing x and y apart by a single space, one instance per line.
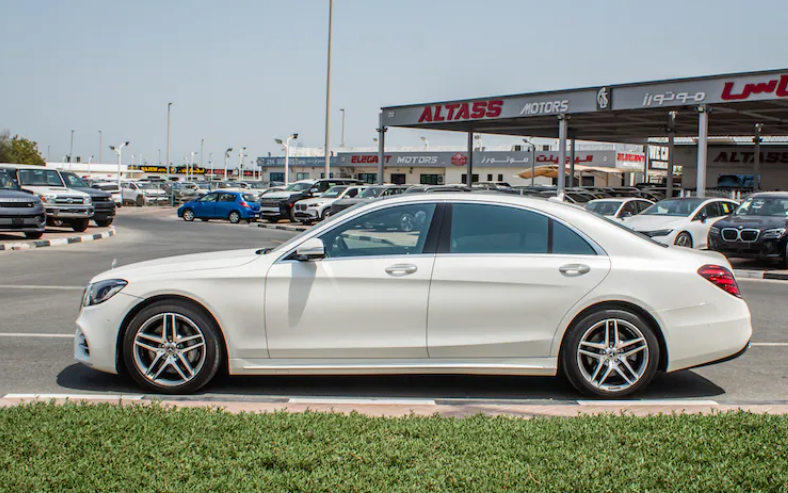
80 225
234 217
683 239
34 235
172 347
103 223
188 215
610 353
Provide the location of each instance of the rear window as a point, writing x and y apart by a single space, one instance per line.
249 197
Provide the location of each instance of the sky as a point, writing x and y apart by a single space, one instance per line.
241 73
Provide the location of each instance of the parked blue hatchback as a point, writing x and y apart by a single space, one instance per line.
233 206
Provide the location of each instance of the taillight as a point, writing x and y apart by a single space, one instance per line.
720 277
244 204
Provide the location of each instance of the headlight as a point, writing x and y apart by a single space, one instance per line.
774 233
714 231
101 291
48 199
87 200
661 232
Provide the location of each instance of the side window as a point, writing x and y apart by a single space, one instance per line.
643 205
493 229
727 208
211 197
352 193
711 210
630 207
399 230
482 228
227 197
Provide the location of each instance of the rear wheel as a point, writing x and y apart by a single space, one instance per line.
172 347
610 353
103 223
34 235
234 217
683 239
80 225
140 201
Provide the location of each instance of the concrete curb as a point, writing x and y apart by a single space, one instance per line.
760 274
57 241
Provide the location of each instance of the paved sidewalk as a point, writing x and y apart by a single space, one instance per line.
421 407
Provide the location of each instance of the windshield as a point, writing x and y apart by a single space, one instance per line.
677 207
763 206
151 186
371 193
39 177
257 186
334 192
604 208
298 186
249 197
204 186
6 182
73 180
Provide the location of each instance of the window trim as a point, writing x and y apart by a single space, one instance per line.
444 242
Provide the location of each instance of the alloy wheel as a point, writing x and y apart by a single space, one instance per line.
613 355
188 215
169 349
684 240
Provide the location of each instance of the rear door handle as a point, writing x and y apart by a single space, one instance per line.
574 270
397 270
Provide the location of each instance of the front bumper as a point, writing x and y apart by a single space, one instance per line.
104 210
31 223
763 249
69 212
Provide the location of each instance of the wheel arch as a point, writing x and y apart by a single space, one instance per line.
628 306
119 360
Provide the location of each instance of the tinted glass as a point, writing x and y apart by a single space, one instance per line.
39 177
483 228
211 197
567 242
764 206
712 209
630 207
249 197
73 180
228 197
6 182
604 208
673 207
400 230
372 192
728 208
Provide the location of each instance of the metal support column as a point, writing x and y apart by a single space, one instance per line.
469 176
756 179
381 149
671 143
703 138
572 164
563 128
645 163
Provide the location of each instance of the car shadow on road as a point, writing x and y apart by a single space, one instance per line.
683 384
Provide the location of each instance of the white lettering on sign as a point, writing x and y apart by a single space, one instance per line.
669 96
545 107
417 160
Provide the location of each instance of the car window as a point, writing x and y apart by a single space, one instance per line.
351 193
605 208
710 210
727 208
642 206
211 197
629 207
227 197
494 229
399 230
73 180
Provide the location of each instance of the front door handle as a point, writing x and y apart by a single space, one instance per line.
398 270
574 270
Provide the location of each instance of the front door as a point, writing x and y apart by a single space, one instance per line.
368 297
205 207
504 281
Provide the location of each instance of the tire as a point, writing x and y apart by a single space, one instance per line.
140 201
103 223
80 225
34 235
292 215
683 239
188 215
324 215
234 217
595 376
156 365
272 220
205 220
784 260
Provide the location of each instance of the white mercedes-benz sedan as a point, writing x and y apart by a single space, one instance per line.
448 284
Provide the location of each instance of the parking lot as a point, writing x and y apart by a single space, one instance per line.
40 292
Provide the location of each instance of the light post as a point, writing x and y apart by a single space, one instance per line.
71 149
226 155
167 164
210 165
533 151
481 142
202 152
426 143
241 163
190 169
159 157
90 160
342 144
99 145
286 145
328 92
119 150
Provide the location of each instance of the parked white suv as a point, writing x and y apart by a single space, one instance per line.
310 210
142 193
63 206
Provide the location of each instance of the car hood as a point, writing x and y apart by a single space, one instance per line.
185 263
316 201
654 223
753 222
18 195
279 195
354 200
44 190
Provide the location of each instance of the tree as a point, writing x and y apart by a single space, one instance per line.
5 148
25 151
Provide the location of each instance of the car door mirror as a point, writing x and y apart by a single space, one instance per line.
701 217
625 214
314 190
311 249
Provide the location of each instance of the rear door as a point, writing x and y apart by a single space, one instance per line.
226 204
504 277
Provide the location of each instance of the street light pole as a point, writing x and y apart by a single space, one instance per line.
328 91
202 151
210 164
100 145
342 144
226 155
426 143
167 164
241 163
190 169
119 150
71 149
286 145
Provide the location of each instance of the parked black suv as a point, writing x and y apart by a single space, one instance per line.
20 211
103 204
757 230
278 204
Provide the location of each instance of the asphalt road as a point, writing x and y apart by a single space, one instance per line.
40 293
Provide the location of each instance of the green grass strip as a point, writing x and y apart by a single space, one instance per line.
103 447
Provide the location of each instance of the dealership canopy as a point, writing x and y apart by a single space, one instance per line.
745 104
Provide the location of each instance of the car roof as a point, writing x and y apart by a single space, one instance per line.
776 195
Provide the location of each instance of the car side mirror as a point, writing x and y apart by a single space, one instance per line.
314 190
701 217
625 214
311 249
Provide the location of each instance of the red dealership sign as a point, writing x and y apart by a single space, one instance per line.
459 159
461 111
778 87
367 159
